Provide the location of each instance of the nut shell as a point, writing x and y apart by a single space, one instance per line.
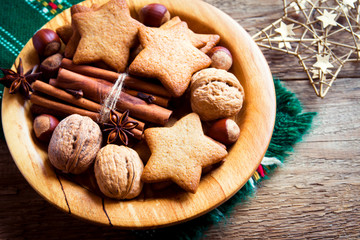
154 15
46 42
44 126
74 144
225 131
215 94
118 170
50 66
221 58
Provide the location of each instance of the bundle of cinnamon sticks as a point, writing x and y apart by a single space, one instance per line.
82 89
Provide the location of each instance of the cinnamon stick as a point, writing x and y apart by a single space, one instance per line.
161 101
97 90
65 109
130 82
61 107
67 97
38 110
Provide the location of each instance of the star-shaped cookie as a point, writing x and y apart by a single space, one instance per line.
71 46
204 42
179 153
169 56
107 34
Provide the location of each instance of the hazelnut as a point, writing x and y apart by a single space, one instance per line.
74 144
225 131
50 66
154 15
118 171
44 125
221 58
46 42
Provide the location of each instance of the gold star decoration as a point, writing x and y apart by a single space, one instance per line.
179 153
349 3
327 19
323 63
322 34
285 30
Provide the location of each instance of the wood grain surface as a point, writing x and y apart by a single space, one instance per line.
314 196
171 206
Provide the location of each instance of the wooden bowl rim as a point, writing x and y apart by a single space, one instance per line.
13 108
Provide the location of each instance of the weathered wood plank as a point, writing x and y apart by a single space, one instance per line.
338 118
315 194
255 16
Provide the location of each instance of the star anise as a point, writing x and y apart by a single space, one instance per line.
119 127
18 81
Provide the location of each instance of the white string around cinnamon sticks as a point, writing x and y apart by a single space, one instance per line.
112 98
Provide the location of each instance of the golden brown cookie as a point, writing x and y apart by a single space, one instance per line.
73 42
65 32
204 42
172 22
180 152
107 34
169 56
196 42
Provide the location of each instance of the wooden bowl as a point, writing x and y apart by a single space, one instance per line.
256 121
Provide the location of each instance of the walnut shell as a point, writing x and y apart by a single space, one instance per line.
74 144
215 94
118 170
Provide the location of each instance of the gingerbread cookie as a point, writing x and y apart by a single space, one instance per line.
204 42
65 32
180 152
107 34
73 42
169 56
207 41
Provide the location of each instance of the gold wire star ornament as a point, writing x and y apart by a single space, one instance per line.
327 18
322 34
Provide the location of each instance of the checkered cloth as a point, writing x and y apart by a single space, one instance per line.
20 19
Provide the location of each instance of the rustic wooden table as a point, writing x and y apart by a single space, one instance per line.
315 194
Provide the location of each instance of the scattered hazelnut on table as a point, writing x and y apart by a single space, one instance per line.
46 42
118 170
74 144
154 15
221 58
225 131
44 126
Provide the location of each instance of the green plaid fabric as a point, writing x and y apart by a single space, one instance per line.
20 19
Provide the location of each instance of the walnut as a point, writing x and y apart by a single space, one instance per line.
118 170
74 144
215 94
